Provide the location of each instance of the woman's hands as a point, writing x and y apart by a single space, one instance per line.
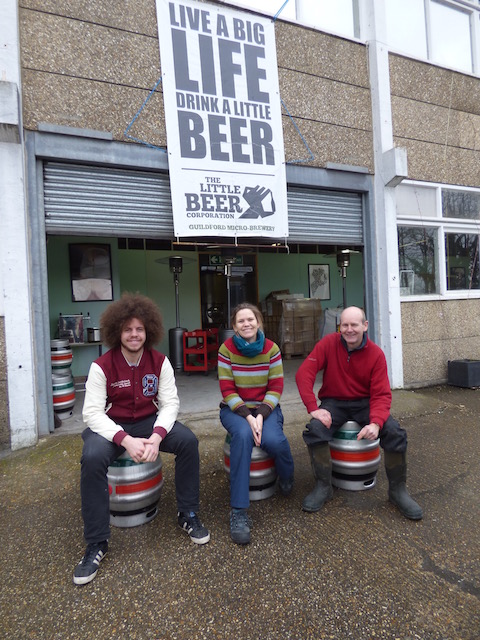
256 425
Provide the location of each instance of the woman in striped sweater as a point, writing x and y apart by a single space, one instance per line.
250 373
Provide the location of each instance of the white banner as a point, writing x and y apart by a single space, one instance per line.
223 119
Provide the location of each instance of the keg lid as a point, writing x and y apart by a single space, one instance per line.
348 431
59 343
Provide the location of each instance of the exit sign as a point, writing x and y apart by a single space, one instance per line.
219 260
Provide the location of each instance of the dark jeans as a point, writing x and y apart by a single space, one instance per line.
392 436
98 453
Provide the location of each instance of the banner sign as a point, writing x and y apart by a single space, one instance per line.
223 119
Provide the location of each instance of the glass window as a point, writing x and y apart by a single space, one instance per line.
416 201
406 30
451 44
462 261
270 7
460 204
436 30
335 16
417 260
419 250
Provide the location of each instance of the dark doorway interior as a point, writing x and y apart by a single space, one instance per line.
214 291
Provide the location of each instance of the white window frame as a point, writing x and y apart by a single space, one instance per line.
472 8
443 226
271 7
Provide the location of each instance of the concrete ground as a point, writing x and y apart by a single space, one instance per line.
356 569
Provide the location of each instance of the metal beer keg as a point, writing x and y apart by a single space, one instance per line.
354 462
63 395
63 385
61 356
135 490
263 474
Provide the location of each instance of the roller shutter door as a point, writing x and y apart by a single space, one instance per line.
104 201
324 217
108 201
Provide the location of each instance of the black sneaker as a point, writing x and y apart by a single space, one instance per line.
240 524
285 485
190 522
87 568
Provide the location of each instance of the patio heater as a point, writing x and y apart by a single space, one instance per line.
229 256
343 262
175 334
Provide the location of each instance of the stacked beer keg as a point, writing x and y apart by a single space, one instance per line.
62 378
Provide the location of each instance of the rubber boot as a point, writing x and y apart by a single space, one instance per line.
396 468
322 472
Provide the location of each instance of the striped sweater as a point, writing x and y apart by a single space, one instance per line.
250 385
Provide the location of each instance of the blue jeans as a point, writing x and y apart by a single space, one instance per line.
274 442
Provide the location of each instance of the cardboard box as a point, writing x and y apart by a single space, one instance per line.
294 324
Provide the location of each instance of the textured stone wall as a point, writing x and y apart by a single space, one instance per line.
90 66
435 332
436 116
4 419
325 86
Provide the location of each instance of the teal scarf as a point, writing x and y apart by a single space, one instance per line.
250 349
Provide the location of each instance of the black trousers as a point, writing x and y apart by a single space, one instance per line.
392 436
99 453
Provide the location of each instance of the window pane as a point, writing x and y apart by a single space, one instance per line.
416 201
326 15
406 30
416 260
269 7
462 261
451 40
461 204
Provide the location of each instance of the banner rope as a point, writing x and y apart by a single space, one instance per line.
312 157
135 117
280 10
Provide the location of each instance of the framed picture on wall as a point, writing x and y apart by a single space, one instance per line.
90 272
319 281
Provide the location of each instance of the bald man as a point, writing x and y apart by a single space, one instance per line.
355 387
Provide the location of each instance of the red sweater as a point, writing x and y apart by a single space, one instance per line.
347 375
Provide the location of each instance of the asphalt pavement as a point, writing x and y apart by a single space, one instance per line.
356 569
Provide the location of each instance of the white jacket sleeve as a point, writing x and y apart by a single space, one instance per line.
168 403
94 405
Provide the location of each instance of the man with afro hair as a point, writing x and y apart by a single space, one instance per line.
131 404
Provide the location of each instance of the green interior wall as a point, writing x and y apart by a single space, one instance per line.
60 294
138 270
290 271
131 271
